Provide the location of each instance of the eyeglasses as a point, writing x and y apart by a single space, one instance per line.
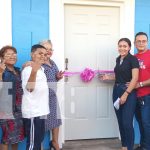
10 55
141 42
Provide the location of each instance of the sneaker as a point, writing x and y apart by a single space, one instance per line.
138 148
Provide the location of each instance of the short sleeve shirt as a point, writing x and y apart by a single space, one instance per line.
144 72
123 71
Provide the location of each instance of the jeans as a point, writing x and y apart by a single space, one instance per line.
138 118
143 118
125 115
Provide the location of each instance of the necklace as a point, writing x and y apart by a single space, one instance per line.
13 70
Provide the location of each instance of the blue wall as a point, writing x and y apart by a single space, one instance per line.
142 23
30 24
142 18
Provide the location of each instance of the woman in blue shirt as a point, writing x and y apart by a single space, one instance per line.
11 99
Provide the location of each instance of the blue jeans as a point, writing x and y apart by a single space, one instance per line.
143 118
125 115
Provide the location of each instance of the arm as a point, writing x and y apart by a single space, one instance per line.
144 83
30 86
31 82
29 63
107 77
2 69
132 85
59 75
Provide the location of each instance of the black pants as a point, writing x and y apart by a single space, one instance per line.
34 130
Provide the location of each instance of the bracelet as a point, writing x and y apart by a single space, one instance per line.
141 84
127 92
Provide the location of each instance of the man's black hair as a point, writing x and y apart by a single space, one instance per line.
141 33
35 47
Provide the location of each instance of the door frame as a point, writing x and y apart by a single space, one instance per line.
57 32
56 21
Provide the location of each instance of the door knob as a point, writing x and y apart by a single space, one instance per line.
66 64
66 68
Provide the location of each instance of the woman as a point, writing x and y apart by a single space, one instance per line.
126 72
11 122
53 120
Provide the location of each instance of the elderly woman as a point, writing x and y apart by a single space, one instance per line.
53 120
11 120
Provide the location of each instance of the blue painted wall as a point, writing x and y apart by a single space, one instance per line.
30 24
142 19
142 23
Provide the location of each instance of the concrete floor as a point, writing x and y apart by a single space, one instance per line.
96 144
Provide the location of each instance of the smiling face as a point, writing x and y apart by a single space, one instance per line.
141 43
39 55
10 57
123 48
49 49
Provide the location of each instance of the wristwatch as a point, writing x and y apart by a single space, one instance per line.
141 84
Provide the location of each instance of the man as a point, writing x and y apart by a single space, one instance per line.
143 90
35 103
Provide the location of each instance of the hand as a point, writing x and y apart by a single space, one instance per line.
123 98
137 85
35 66
127 84
104 77
2 67
60 75
29 63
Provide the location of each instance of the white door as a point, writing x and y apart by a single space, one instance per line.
91 35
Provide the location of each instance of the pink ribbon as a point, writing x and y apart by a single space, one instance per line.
87 74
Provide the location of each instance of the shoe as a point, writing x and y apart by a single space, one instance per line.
139 148
51 146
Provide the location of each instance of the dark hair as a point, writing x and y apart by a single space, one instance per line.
126 40
141 33
35 47
5 48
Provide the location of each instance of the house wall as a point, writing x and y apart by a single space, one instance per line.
30 24
142 19
142 23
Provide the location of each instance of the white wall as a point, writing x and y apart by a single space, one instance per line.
128 21
5 23
57 31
